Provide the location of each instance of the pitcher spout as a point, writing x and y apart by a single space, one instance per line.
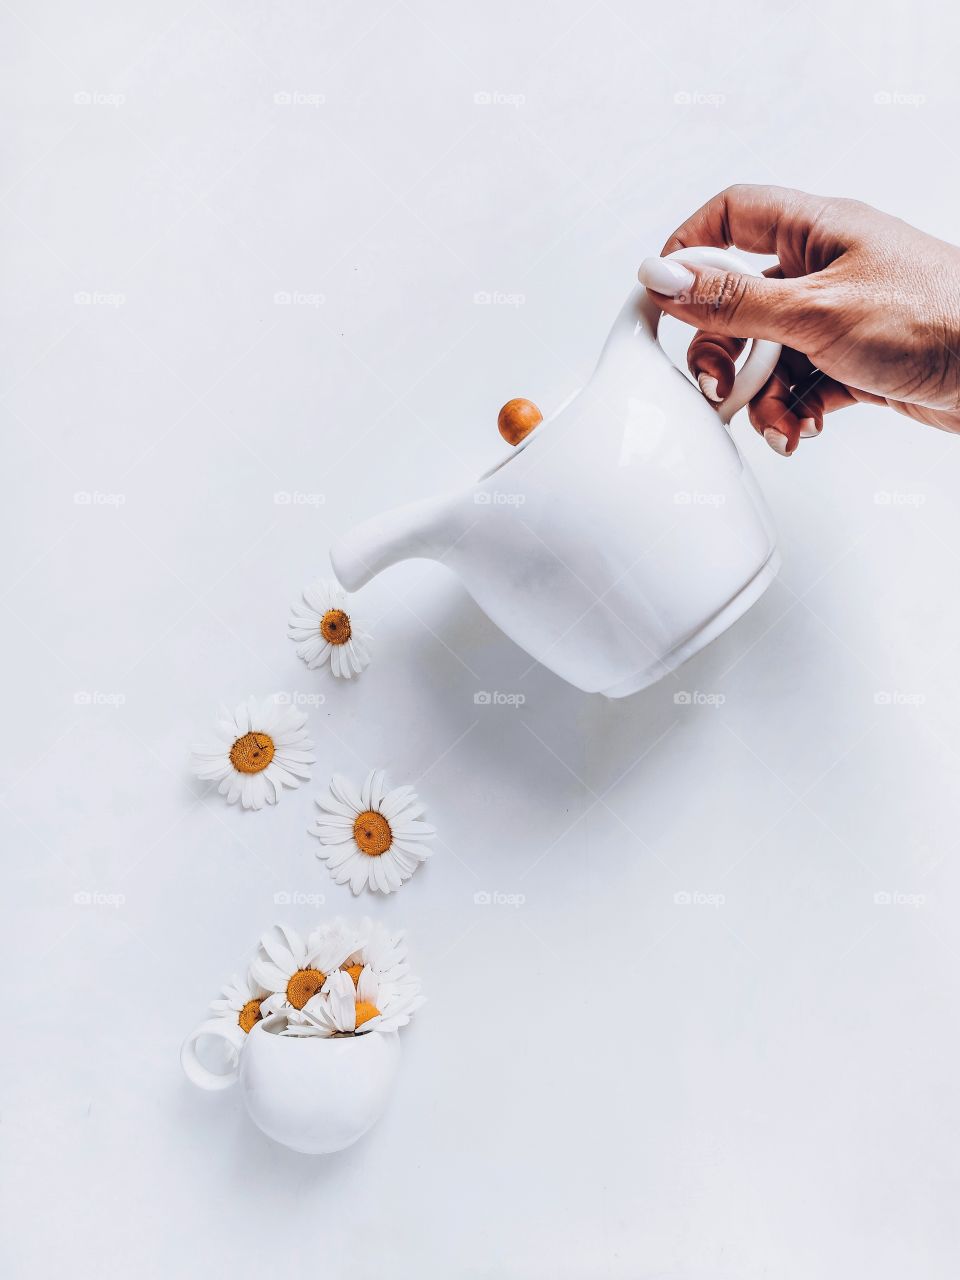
419 531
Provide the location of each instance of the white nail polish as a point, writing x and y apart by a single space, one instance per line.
777 441
665 277
709 386
808 429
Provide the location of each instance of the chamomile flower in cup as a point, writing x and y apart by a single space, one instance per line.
240 1002
378 949
292 970
346 1009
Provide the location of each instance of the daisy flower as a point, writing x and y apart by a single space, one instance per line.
371 836
240 1002
324 631
293 971
257 750
384 952
344 1009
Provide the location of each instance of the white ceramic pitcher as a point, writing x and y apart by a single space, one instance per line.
622 535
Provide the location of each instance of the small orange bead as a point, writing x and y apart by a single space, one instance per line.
517 419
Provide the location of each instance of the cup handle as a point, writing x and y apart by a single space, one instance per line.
763 355
232 1035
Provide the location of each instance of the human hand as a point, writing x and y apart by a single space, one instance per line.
867 309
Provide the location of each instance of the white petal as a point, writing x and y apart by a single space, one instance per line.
322 596
292 769
345 793
411 811
415 830
280 776
333 835
213 772
378 876
377 789
283 947
367 986
341 999
331 806
339 854
405 863
359 873
396 801
253 791
336 821
267 718
273 1004
352 657
412 849
391 871
359 651
270 976
366 791
310 647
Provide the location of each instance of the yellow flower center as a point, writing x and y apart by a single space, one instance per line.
252 753
304 984
354 971
335 626
249 1015
372 833
365 1011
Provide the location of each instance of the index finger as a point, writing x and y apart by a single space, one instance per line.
756 219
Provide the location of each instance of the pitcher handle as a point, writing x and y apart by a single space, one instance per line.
763 355
233 1037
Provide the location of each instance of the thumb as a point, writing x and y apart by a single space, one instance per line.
728 302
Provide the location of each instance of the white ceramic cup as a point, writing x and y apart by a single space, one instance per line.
311 1094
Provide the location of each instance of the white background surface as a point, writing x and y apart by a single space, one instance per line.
605 1082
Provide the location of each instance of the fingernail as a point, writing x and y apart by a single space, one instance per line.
709 387
777 441
808 428
665 277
